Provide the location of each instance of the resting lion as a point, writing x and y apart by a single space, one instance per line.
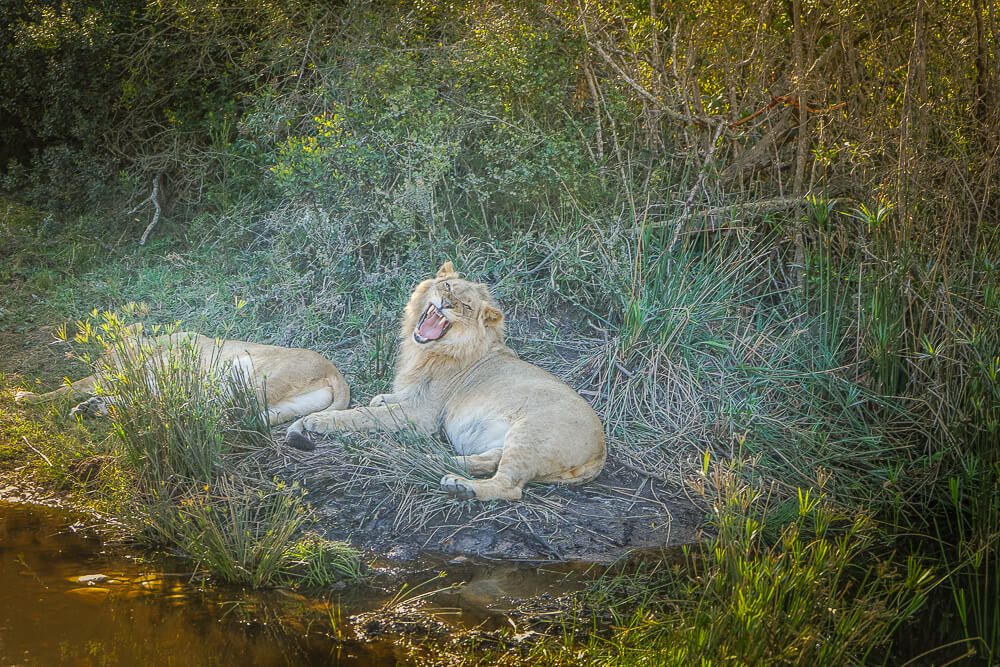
297 381
504 417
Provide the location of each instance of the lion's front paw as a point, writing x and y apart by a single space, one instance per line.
319 423
314 424
455 486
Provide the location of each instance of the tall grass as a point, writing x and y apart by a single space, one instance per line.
812 596
180 419
867 369
175 412
711 353
589 151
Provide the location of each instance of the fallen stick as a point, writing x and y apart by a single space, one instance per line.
25 438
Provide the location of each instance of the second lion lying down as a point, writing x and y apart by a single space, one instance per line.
504 417
291 381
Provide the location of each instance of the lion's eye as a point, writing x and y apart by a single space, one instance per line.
466 307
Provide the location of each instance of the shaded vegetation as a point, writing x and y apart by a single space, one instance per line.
769 229
184 436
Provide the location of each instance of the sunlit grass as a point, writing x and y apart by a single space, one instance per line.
179 424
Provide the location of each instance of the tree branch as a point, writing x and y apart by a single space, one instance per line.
153 198
753 207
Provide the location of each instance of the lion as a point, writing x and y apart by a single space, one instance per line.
292 381
504 417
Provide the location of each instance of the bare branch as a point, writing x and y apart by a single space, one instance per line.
689 200
153 199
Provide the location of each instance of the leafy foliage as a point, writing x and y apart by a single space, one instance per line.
779 218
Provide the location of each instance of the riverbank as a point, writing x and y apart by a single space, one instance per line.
69 595
761 241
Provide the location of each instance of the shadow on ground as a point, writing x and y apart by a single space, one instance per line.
598 522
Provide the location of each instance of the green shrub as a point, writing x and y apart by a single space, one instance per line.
180 424
818 595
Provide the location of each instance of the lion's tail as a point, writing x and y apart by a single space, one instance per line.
341 390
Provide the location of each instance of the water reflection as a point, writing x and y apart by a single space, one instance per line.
64 599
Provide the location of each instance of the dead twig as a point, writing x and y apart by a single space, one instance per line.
153 199
36 451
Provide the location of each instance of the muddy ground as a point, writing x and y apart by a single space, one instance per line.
598 522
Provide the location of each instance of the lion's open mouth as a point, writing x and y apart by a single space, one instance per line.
432 326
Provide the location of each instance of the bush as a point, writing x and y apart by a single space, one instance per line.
179 424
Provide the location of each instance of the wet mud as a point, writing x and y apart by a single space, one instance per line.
599 522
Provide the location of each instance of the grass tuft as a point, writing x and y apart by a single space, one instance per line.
180 423
406 468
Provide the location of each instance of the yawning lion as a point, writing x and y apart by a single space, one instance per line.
504 417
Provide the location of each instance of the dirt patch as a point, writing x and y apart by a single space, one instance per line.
623 510
598 522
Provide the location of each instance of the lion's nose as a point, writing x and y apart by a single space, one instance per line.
446 303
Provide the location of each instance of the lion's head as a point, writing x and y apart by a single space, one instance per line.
450 316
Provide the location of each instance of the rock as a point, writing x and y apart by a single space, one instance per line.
402 552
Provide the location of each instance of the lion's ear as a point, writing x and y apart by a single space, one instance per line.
492 316
446 270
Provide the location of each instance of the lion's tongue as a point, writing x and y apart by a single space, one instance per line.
433 325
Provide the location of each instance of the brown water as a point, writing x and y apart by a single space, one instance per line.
55 611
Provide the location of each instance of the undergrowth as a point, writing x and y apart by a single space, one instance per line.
742 232
809 595
184 430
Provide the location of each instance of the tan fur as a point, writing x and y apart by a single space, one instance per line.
505 417
297 381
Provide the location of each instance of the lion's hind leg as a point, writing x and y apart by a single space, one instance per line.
512 471
480 464
528 453
75 390
303 404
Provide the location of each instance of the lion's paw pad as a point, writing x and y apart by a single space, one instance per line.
457 487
